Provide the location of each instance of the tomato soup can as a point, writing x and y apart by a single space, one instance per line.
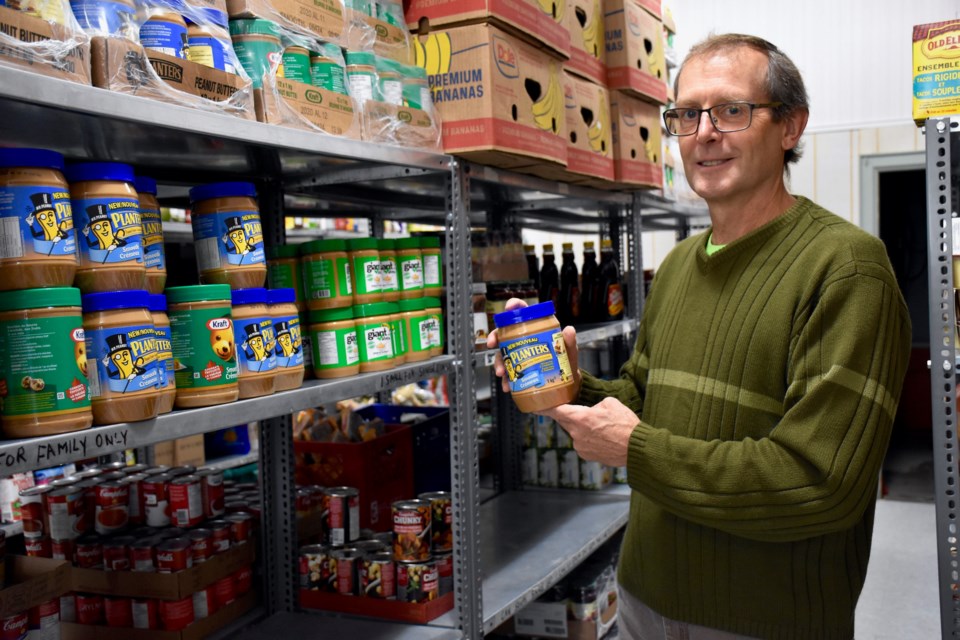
241 527
221 535
44 620
68 607
135 505
341 519
348 570
89 607
65 513
201 545
118 611
204 603
143 555
186 501
146 613
174 555
89 552
156 500
33 511
63 550
38 547
225 591
112 511
14 627
116 553
176 615
243 579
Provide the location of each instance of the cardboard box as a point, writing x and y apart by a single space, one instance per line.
302 105
181 451
42 47
32 581
655 7
387 40
500 99
197 631
590 148
165 586
124 66
637 143
541 23
936 70
634 42
404 126
321 18
585 19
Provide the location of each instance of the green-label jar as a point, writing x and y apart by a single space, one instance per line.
257 45
296 64
362 76
388 269
204 355
375 334
333 339
284 272
365 268
399 335
418 341
432 266
326 69
327 282
43 363
410 268
434 313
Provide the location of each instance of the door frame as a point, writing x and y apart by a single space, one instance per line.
871 166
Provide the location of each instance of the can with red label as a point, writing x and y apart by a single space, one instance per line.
65 481
135 504
63 550
304 502
89 551
110 476
243 580
134 469
113 507
14 627
225 591
89 608
241 527
211 485
378 576
183 470
65 513
205 603
38 547
222 535
417 581
68 608
186 501
155 500
116 553
441 525
348 570
143 555
174 555
109 467
341 515
145 613
44 620
411 530
201 544
176 615
91 472
89 487
118 611
170 532
33 510
444 572
315 567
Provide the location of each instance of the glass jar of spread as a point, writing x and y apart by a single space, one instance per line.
397 333
388 269
283 271
122 351
257 45
434 313
209 40
37 235
201 334
535 358
375 336
365 270
409 268
164 31
362 76
106 17
154 259
227 235
325 266
43 359
289 346
296 64
333 335
106 211
327 68
161 325
253 335
412 319
432 266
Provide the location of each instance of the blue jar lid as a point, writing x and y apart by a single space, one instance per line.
524 314
157 301
256 295
208 16
99 171
143 184
31 158
132 299
223 190
281 296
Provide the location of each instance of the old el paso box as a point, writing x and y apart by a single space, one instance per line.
634 42
500 100
590 151
636 141
43 47
540 22
936 70
587 50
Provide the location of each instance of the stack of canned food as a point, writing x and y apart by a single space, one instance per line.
412 563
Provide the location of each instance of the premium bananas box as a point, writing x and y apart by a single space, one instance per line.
500 99
634 42
936 70
539 22
637 145
587 51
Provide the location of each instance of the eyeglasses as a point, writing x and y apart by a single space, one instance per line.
726 118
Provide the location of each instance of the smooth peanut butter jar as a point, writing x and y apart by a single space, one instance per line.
227 235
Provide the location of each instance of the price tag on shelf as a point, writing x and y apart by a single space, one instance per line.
542 619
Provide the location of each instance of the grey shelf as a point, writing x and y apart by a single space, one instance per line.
589 333
233 462
531 539
37 453
318 625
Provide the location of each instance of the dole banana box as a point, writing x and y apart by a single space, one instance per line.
634 49
936 70
500 99
587 50
637 144
542 23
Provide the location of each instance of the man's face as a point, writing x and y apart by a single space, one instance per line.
726 167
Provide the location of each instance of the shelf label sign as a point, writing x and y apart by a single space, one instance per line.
67 449
542 619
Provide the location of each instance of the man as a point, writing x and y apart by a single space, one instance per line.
755 412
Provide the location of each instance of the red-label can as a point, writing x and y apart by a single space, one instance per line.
444 572
174 555
348 570
211 484
33 511
183 470
89 608
155 501
442 520
378 576
304 502
118 611
222 535
68 608
205 603
116 553
113 503
243 580
63 550
143 555
341 519
65 512
89 488
133 469
135 504
225 591
14 627
315 567
241 527
38 547
145 613
411 530
186 501
417 581
44 620
176 615
201 545
89 552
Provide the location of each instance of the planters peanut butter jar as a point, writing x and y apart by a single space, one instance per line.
227 235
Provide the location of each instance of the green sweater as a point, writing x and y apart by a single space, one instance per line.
766 377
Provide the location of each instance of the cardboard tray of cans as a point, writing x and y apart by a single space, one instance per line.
196 631
387 609
31 582
165 586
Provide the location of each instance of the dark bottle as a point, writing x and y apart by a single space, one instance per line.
549 277
589 284
610 304
568 312
533 265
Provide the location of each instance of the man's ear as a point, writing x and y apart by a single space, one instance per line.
795 123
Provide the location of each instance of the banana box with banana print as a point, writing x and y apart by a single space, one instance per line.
637 144
587 50
500 99
542 23
634 50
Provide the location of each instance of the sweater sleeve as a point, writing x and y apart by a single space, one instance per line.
817 470
628 388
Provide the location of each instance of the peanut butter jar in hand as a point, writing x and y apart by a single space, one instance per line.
227 235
